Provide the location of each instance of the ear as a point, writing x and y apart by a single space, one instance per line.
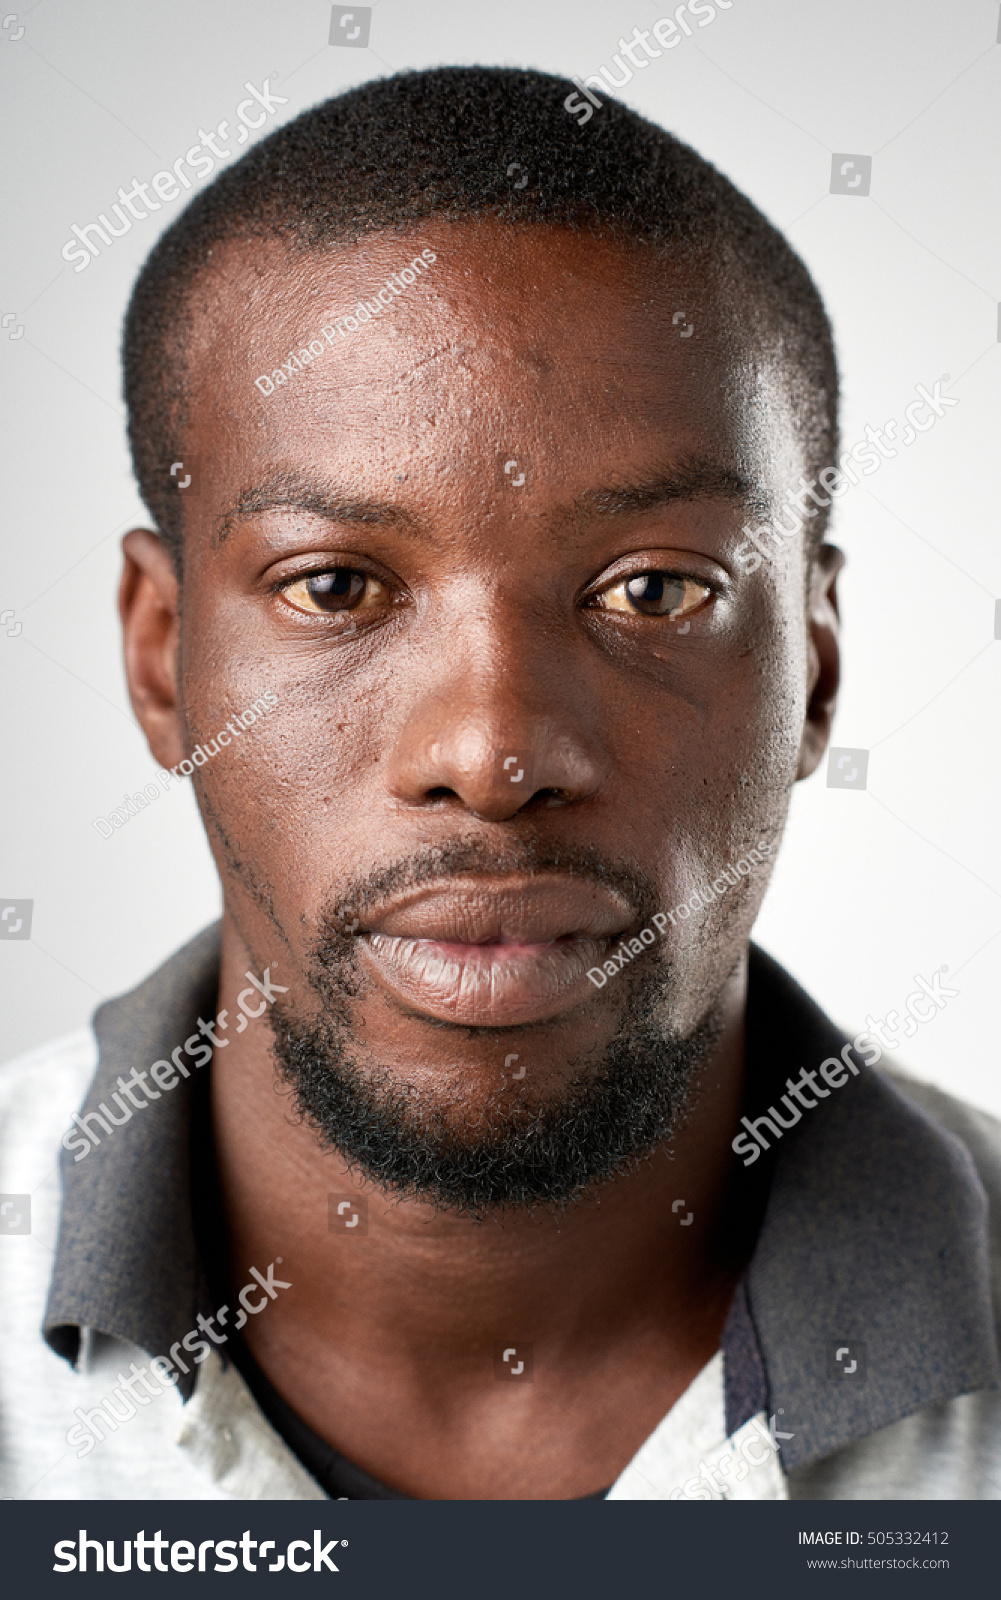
823 657
149 606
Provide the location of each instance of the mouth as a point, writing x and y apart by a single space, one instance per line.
483 954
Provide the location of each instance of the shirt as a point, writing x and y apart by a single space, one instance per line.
873 1250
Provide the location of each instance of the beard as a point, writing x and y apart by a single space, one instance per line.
615 1107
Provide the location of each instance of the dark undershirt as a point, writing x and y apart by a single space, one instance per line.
338 1477
335 1474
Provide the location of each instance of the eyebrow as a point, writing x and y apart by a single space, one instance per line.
295 491
693 478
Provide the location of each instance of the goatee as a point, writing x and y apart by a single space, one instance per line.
616 1106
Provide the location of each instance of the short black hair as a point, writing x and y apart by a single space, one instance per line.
439 143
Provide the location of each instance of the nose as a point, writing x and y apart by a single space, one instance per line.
497 743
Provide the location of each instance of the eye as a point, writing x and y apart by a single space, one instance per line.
341 589
654 594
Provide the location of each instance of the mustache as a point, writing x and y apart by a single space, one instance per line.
472 856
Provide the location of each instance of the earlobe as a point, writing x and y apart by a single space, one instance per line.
823 657
148 603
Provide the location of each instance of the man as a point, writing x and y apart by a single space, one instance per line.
566 1191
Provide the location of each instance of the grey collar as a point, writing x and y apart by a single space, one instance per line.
875 1235
874 1232
126 1262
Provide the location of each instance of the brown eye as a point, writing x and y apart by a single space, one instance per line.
655 594
342 589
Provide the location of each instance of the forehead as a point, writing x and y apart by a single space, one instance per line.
581 352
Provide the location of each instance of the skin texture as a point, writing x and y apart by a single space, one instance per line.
669 752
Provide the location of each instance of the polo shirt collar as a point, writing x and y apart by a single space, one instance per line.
127 1263
874 1237
874 1234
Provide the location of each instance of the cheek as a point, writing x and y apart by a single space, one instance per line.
721 763
289 803
307 758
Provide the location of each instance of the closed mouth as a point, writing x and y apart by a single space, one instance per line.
494 953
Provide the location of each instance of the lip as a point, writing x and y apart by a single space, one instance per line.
493 954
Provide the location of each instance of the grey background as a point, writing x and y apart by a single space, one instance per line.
872 887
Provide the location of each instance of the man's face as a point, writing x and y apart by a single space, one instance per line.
482 552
